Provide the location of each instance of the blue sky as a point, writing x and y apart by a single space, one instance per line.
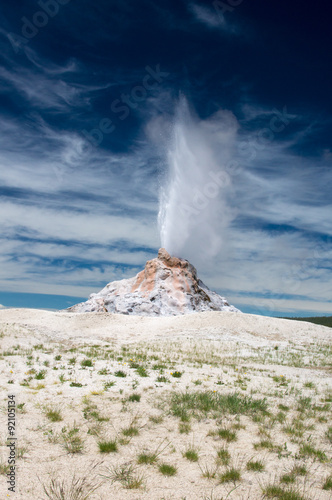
84 88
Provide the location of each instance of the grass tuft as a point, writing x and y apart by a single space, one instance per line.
108 446
167 470
53 415
231 475
328 483
255 465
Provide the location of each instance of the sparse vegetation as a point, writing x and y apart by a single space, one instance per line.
134 398
230 401
223 456
203 403
4 468
53 414
108 446
227 434
328 483
130 431
77 488
40 375
231 475
278 492
167 469
255 465
86 363
191 454
72 440
309 450
126 474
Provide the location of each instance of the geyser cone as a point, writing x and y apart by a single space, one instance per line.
167 286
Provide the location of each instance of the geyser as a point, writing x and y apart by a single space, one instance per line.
193 210
167 286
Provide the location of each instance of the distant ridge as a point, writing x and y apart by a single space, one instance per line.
318 320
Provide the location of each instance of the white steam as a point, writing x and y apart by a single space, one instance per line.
193 210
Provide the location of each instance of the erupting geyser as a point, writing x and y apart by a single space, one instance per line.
193 211
192 216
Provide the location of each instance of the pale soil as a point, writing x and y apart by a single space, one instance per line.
224 352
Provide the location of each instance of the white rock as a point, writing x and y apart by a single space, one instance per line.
168 286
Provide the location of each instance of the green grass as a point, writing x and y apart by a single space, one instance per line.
167 470
130 431
108 384
141 371
328 483
120 373
290 477
53 415
177 374
40 375
309 385
127 475
72 441
283 407
227 435
266 444
223 456
308 450
147 458
75 384
184 428
156 419
203 403
255 465
191 454
304 403
134 398
103 371
162 378
279 493
231 475
86 363
108 446
287 478
4 468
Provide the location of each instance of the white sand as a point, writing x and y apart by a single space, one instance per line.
241 351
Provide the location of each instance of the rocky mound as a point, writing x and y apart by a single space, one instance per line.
168 286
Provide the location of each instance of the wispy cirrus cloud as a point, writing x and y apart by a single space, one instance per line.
213 17
71 233
75 215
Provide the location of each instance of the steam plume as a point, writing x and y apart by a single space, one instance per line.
193 209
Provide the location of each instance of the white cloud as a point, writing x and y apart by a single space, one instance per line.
205 15
69 203
212 18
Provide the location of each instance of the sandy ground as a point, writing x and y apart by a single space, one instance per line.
45 358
